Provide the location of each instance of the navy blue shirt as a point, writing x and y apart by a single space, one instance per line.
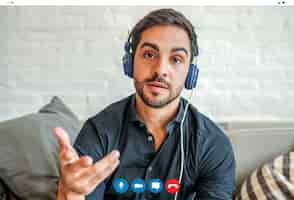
209 170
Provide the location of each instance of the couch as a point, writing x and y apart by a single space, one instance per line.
37 166
255 146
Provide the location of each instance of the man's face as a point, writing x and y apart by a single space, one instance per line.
161 64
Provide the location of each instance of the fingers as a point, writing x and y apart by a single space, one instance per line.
72 172
67 154
82 176
78 165
102 168
105 167
62 138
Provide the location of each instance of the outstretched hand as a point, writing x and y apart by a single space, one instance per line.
79 175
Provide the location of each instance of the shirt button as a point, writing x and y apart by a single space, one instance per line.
150 138
150 169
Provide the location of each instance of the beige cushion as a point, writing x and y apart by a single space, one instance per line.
254 147
273 180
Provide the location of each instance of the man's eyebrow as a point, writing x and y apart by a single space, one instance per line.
148 44
180 49
154 46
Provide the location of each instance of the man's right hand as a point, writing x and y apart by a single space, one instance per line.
79 176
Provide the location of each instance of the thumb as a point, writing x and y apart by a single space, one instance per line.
67 154
62 138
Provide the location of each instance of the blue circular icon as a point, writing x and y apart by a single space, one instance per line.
138 185
155 185
120 185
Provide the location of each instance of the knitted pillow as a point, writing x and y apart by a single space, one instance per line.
274 180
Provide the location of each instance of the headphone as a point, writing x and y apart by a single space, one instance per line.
127 61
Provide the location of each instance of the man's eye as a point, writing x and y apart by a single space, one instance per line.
148 55
176 60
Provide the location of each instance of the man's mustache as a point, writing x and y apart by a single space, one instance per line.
156 78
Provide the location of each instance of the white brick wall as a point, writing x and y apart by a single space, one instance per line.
246 59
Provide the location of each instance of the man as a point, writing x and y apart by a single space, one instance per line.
149 135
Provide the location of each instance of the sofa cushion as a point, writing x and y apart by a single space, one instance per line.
254 147
274 180
29 164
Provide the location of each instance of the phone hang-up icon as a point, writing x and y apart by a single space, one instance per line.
172 186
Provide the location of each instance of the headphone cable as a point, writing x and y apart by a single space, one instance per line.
182 141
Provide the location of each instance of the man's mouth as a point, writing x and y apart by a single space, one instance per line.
157 84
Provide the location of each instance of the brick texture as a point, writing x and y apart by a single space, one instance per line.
246 59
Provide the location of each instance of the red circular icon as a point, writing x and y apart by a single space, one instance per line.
172 186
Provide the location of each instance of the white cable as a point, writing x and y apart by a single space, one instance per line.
182 141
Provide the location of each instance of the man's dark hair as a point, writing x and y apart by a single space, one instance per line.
164 17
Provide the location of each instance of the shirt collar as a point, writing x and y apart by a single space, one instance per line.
134 116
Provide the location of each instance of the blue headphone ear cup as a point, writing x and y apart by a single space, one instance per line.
192 77
128 64
128 60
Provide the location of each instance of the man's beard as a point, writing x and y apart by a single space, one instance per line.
139 85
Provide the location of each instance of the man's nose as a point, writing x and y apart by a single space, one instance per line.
162 67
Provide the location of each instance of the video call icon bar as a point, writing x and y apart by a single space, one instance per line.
138 185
